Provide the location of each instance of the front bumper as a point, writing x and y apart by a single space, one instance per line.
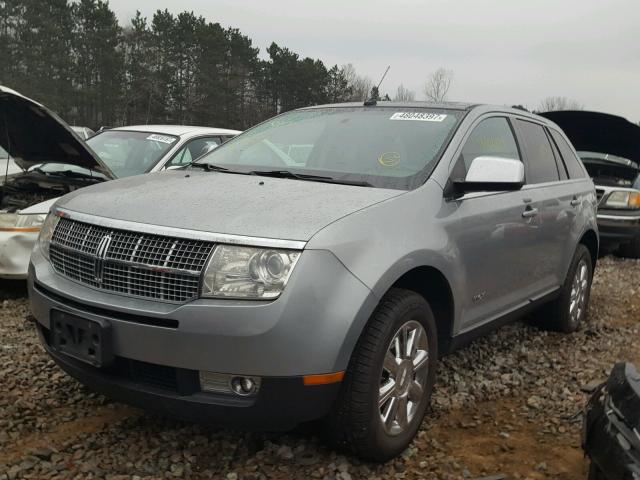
15 250
310 329
281 403
617 227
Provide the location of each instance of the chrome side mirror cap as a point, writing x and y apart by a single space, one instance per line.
491 174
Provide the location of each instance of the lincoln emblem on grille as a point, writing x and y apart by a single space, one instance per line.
101 253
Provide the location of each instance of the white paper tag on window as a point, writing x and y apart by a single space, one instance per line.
161 138
418 116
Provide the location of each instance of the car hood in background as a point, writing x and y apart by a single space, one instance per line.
225 203
599 132
33 134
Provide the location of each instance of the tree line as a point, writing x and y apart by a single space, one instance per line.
75 58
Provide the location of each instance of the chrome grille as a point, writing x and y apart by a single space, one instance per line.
129 263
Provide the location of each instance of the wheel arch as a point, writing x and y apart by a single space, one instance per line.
590 240
435 288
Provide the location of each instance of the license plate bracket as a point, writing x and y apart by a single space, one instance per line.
89 341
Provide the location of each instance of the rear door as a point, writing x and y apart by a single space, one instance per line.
554 203
580 188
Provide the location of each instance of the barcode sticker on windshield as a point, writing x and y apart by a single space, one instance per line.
419 116
161 138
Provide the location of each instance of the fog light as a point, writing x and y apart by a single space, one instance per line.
244 386
229 384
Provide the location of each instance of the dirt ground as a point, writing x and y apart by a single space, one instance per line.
501 434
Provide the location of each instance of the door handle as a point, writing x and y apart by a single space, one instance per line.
575 202
530 212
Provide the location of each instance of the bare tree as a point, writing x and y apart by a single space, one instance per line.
360 86
404 94
551 104
438 84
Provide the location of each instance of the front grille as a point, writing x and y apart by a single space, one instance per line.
599 194
129 263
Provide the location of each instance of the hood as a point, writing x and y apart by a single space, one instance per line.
33 134
599 132
216 202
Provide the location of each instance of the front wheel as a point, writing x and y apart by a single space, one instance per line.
388 384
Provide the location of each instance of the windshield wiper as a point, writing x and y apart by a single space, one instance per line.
309 177
210 167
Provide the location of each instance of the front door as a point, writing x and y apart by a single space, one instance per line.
495 232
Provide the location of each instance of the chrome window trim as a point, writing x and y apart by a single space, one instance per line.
629 218
472 195
181 233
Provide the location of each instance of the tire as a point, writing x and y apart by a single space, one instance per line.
356 423
558 315
631 249
595 473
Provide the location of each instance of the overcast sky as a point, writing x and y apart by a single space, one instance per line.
501 51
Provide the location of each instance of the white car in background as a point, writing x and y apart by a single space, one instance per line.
83 132
53 162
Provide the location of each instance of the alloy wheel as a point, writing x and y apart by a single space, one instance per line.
404 377
579 289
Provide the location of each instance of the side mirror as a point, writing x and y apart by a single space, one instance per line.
491 174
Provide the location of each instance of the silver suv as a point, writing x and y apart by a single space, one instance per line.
265 289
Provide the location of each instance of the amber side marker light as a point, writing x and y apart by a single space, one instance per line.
19 229
323 379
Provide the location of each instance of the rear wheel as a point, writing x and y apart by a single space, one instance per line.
388 384
631 249
566 313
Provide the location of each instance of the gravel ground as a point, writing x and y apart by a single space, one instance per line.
507 404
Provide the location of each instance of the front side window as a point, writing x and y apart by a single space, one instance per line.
541 164
193 150
492 137
382 146
129 153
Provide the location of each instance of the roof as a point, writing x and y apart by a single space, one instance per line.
178 129
381 103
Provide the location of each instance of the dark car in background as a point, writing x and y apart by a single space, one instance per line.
611 430
609 147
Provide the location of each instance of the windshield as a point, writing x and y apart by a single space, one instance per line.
129 153
381 146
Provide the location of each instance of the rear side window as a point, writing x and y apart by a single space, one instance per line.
541 164
492 137
562 170
571 161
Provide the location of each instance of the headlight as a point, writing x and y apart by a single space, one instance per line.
248 272
46 233
623 199
17 222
